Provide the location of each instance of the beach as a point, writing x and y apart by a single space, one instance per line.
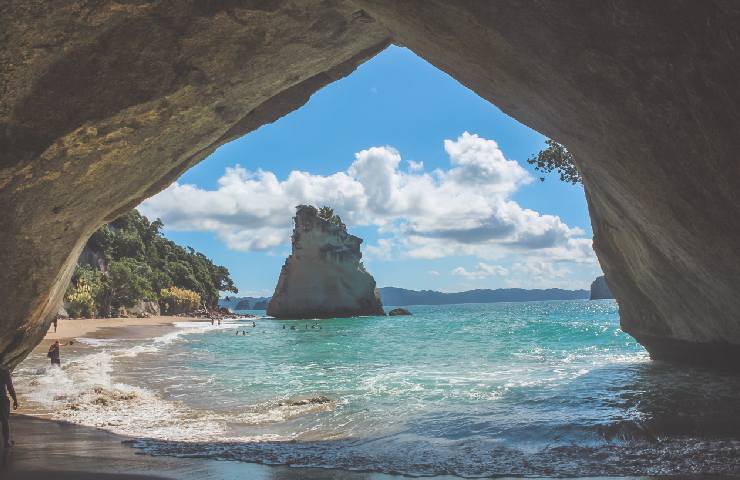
533 388
68 329
53 449
71 451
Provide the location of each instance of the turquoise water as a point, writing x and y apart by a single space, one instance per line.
538 388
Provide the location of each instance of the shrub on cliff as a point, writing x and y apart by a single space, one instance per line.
179 300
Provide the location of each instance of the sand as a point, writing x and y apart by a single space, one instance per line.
68 329
47 448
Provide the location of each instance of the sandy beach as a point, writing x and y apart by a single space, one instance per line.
51 449
70 451
71 328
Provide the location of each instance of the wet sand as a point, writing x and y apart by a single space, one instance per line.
51 449
47 448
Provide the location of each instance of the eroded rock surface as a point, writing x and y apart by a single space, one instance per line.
323 277
105 103
600 289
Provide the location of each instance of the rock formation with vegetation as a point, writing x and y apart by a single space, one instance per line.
133 265
323 277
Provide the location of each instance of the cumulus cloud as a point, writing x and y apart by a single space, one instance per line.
482 270
466 209
415 166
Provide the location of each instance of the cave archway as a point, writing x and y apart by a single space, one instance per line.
129 95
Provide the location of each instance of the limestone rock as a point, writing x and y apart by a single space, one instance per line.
144 308
61 312
398 311
105 103
323 277
600 289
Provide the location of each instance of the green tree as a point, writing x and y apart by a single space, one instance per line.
142 263
555 157
129 282
327 213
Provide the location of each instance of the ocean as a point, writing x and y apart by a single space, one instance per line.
475 390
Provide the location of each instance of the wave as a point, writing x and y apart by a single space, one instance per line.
83 391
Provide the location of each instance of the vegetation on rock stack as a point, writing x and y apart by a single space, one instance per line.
327 213
138 263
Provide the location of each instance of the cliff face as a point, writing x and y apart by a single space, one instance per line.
103 104
599 289
323 277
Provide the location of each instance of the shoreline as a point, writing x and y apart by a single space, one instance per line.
73 328
55 449
44 446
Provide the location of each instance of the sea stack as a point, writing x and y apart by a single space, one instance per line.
600 289
323 277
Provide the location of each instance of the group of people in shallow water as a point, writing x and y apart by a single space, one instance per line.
244 332
292 327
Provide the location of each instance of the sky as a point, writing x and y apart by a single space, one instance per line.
431 176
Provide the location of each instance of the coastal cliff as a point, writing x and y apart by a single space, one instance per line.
129 95
600 289
323 277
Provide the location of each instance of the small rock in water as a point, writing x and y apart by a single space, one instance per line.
317 400
398 311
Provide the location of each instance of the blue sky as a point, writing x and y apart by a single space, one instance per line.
407 108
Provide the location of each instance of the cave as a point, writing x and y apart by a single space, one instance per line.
105 104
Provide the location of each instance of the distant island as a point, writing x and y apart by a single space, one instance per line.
244 303
401 296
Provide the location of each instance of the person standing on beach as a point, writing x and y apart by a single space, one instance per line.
6 383
56 319
54 353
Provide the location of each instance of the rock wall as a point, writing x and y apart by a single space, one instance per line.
323 277
600 289
103 104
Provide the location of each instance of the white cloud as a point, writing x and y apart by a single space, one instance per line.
464 210
415 166
433 273
380 251
482 271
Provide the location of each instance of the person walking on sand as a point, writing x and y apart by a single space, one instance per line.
56 319
54 353
6 383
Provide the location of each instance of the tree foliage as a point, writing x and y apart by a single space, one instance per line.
327 213
141 263
555 157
